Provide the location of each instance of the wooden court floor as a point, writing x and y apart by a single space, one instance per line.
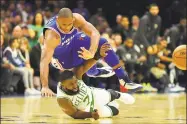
148 109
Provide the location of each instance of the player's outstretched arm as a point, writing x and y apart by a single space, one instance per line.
89 30
51 41
70 110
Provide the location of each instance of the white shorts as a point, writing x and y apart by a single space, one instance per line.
102 98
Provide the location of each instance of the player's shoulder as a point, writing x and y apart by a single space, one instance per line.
50 31
79 20
77 15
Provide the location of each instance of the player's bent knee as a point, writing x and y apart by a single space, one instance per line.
114 110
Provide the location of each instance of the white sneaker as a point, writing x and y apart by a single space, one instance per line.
35 92
126 98
179 87
28 92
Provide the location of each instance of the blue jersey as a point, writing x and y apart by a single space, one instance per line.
62 58
65 54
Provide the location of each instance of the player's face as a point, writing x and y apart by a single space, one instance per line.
65 24
71 84
154 10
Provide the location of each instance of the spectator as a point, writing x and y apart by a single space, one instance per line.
24 51
38 5
130 55
123 28
158 70
6 34
117 41
99 21
149 27
176 35
118 27
35 56
81 9
135 24
47 14
6 75
21 8
126 29
118 19
17 32
37 26
19 67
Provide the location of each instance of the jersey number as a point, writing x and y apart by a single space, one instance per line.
86 99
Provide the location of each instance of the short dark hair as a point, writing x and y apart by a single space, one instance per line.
65 12
65 75
11 41
152 5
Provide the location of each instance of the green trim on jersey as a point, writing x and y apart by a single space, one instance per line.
92 104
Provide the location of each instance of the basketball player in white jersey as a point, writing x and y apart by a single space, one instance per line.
80 101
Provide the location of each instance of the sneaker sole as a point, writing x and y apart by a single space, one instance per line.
134 90
103 76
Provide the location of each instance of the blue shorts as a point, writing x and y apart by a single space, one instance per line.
67 55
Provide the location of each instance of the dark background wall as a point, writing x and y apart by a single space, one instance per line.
170 10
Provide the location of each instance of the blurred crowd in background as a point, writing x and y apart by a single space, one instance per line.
145 54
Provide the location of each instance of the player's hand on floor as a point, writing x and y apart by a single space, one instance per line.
46 92
95 114
85 54
104 48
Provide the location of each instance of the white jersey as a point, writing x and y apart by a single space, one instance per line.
82 100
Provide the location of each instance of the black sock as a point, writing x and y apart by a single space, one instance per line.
114 94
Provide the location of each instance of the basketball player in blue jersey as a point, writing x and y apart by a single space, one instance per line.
66 48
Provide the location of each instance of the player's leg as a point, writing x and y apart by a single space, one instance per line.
113 61
81 40
101 102
107 111
106 104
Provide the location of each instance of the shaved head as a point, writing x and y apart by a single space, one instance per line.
65 20
65 13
